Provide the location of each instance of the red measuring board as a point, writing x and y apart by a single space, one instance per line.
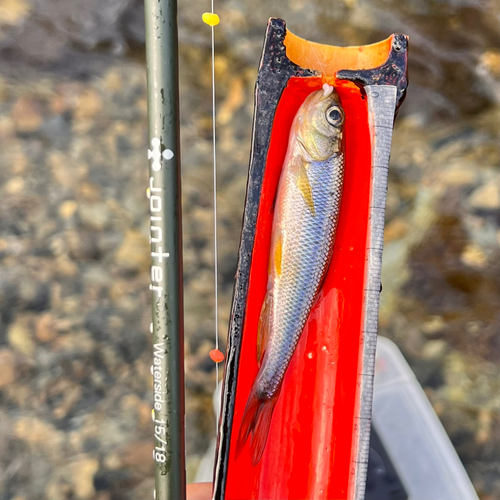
309 449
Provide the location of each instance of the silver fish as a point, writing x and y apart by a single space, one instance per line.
304 226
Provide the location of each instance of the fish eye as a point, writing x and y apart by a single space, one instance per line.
335 116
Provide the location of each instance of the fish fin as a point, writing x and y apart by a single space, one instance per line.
263 328
255 424
278 253
302 182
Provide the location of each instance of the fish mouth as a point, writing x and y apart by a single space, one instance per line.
327 90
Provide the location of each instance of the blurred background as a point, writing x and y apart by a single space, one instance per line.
75 353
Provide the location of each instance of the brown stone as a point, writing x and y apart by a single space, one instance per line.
88 104
138 455
396 229
45 328
12 12
14 185
26 115
7 367
61 168
67 209
134 253
113 80
20 337
486 197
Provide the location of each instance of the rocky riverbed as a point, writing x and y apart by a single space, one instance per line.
75 352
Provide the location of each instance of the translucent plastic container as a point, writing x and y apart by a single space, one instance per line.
412 435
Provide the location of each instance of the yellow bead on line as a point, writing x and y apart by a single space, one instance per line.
210 19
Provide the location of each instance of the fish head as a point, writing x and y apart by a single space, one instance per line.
320 123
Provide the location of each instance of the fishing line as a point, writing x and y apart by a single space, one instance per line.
311 44
216 273
212 20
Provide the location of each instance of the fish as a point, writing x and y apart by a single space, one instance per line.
306 214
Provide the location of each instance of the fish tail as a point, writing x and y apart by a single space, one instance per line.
255 424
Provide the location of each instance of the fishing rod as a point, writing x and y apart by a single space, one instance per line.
164 194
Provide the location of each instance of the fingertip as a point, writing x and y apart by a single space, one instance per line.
199 491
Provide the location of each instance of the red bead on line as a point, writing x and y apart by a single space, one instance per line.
216 355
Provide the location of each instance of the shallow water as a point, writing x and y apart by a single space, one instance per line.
75 353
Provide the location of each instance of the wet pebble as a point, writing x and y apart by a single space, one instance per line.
133 254
486 197
45 329
94 215
20 336
26 115
8 367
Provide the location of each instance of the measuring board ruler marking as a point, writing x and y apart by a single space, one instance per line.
381 108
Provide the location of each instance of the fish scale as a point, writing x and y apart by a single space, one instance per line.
307 247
